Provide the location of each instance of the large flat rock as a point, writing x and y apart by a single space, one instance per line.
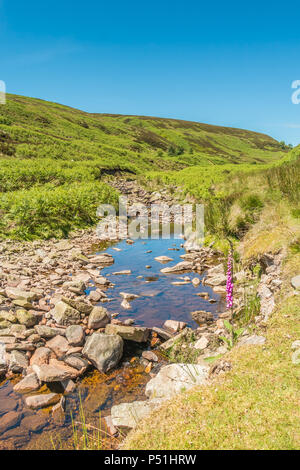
176 378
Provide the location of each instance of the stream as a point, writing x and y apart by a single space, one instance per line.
159 300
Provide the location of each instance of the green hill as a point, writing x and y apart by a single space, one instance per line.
53 158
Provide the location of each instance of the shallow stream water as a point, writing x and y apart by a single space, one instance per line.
96 393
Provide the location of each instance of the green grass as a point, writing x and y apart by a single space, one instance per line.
46 148
255 406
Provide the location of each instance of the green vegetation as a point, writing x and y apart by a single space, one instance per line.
52 156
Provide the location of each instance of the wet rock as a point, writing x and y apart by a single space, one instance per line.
34 422
41 356
18 361
128 415
103 350
28 384
26 318
9 420
163 259
131 333
99 318
178 268
64 314
174 325
109 427
58 412
59 345
202 317
42 400
176 378
75 335
295 281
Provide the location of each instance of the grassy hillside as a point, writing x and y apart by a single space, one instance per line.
53 159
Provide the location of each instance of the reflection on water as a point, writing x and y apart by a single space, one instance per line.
159 300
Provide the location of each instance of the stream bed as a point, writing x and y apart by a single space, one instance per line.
159 300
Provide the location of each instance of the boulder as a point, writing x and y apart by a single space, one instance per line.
129 414
64 314
75 335
59 345
26 318
99 318
41 401
131 333
17 361
55 371
176 378
28 384
103 350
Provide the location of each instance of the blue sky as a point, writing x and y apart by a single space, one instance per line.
217 62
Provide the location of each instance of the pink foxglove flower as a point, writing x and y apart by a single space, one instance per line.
229 284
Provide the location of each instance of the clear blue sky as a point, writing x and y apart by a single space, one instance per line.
225 63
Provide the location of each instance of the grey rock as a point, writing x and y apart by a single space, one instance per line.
103 350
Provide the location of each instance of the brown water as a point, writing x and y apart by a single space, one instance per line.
96 393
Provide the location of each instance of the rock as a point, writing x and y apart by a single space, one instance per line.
150 356
79 305
129 414
131 333
163 259
59 345
75 335
174 325
48 332
28 384
162 333
217 280
26 318
109 427
77 362
252 340
98 318
103 350
58 412
18 294
64 314
295 281
68 385
202 343
125 271
34 422
18 361
41 356
8 316
202 317
128 296
9 420
43 400
55 371
295 345
176 378
178 268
